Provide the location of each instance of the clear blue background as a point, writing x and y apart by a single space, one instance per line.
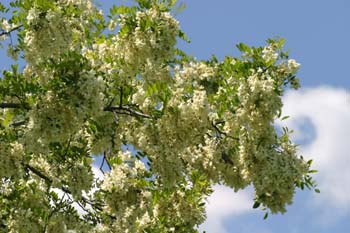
316 31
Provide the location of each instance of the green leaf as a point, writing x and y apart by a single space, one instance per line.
309 162
2 8
317 191
183 36
172 2
8 119
256 204
243 48
266 215
180 8
201 204
144 4
284 118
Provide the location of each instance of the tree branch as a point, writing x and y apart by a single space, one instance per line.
8 32
14 105
10 105
102 163
38 173
98 206
126 110
121 97
222 132
17 123
107 162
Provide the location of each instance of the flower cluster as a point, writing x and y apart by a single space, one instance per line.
183 123
193 124
11 155
269 54
145 42
5 25
131 196
151 41
75 104
57 29
127 196
261 153
28 213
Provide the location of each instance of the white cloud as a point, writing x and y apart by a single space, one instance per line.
224 203
97 172
328 111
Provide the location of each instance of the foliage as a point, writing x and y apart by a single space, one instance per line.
93 85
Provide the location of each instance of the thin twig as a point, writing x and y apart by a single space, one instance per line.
107 162
67 148
126 110
121 97
55 209
98 206
222 132
102 163
8 32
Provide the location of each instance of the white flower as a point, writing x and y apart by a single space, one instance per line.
269 54
5 25
32 16
293 65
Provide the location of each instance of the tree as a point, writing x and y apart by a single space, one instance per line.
96 85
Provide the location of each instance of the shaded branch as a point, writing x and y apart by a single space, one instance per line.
102 163
54 210
126 110
14 105
10 105
81 206
17 123
66 190
121 97
107 162
222 132
38 173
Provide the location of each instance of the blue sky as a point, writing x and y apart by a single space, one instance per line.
316 31
318 36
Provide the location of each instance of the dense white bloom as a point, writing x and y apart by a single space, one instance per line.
56 33
293 66
191 124
5 25
11 155
269 54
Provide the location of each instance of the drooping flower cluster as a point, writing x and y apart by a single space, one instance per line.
261 154
145 41
137 206
5 26
54 28
11 156
128 198
192 124
150 42
81 98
